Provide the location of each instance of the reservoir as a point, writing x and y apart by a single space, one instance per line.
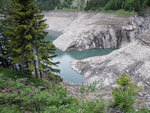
64 57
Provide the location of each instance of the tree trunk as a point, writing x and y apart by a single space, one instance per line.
138 6
4 61
35 68
41 75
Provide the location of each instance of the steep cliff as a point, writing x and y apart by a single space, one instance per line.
98 30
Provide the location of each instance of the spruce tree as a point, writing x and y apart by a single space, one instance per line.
4 62
3 49
26 44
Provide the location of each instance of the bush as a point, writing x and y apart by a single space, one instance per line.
144 110
114 5
66 4
129 5
125 94
17 97
96 4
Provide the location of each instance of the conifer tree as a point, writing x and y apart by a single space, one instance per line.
4 62
26 44
3 49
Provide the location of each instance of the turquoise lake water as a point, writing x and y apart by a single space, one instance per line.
67 73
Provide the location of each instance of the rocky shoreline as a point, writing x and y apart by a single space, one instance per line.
97 30
133 59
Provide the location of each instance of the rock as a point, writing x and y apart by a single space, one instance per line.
97 30
58 21
23 80
41 88
72 89
133 59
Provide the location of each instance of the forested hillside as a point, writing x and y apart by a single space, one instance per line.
128 5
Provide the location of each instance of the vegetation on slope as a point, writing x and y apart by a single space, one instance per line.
94 5
127 5
22 43
17 97
20 97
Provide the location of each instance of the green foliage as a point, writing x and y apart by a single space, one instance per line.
16 97
48 4
93 107
66 4
125 95
94 87
3 3
144 110
120 13
129 5
95 4
115 4
26 33
4 62
66 10
14 75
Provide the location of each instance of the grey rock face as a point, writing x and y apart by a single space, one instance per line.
133 59
58 21
98 30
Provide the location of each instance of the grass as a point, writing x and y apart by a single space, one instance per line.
17 75
64 10
17 97
119 13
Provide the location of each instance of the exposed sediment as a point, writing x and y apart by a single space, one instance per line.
133 59
95 30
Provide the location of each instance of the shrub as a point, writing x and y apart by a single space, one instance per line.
95 4
114 4
125 94
143 110
17 97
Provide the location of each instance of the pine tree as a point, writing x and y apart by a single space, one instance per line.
4 62
26 42
3 49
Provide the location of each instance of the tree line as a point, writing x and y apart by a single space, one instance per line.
128 5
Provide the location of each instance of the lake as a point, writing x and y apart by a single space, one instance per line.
64 57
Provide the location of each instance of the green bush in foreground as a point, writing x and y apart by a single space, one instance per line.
125 95
16 97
